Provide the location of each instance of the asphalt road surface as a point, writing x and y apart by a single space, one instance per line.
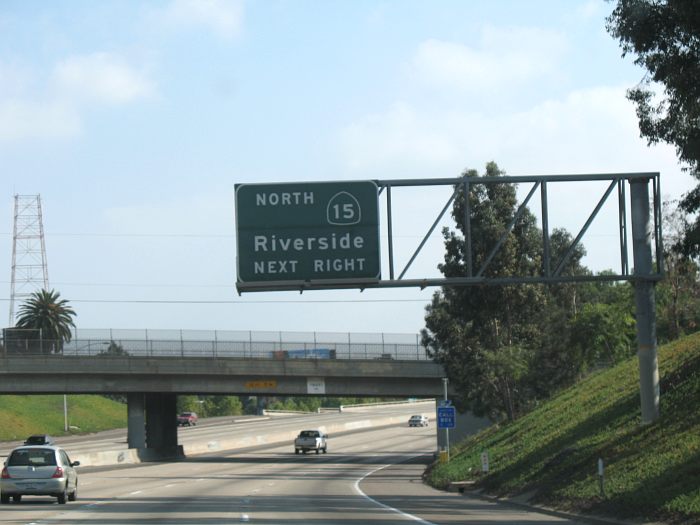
370 476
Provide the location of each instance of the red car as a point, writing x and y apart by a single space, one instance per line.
187 419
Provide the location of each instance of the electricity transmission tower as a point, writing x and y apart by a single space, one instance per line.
29 268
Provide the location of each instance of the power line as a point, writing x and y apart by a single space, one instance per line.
171 235
140 285
184 301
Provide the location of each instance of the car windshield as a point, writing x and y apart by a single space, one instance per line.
36 457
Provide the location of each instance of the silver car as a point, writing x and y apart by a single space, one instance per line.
418 421
39 470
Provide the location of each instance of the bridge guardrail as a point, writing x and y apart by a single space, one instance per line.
214 349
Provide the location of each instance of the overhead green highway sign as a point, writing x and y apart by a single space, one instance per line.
307 231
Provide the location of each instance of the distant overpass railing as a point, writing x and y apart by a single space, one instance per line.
224 344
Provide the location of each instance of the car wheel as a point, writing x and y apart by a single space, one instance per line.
74 495
296 450
17 498
62 497
4 498
325 449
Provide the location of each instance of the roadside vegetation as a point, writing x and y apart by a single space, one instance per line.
506 348
312 404
549 456
43 414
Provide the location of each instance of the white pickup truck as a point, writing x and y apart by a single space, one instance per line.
310 440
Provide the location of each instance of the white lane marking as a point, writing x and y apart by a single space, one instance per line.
135 492
170 485
387 507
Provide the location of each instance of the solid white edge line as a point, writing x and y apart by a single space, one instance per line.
384 506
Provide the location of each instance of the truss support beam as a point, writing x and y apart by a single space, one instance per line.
508 229
439 218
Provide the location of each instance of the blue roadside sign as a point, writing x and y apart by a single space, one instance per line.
446 417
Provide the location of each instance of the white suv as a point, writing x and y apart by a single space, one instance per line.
418 421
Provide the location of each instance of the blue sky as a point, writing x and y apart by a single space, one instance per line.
134 120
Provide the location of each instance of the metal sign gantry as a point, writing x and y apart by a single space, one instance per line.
647 247
551 270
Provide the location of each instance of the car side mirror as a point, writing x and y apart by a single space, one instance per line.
75 464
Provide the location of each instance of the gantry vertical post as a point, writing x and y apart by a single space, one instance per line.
645 301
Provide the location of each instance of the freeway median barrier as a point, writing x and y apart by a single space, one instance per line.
193 448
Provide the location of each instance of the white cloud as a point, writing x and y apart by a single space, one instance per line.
401 135
14 80
30 109
102 77
590 9
223 17
20 119
504 59
587 131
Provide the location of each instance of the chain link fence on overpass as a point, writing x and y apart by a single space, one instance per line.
225 344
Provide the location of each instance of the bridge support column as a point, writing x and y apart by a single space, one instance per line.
161 424
136 420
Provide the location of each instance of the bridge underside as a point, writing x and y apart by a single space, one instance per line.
153 384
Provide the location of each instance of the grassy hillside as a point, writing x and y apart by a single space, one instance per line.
26 415
551 455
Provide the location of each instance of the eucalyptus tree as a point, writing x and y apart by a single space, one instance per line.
505 346
678 295
485 335
664 36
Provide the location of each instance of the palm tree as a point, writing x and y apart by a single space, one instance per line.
47 312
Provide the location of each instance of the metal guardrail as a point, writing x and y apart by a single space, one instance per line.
215 349
344 408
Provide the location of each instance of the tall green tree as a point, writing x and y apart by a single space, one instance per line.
483 335
555 365
602 335
46 311
504 347
210 406
678 295
664 35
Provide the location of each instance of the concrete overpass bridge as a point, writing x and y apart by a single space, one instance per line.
152 371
